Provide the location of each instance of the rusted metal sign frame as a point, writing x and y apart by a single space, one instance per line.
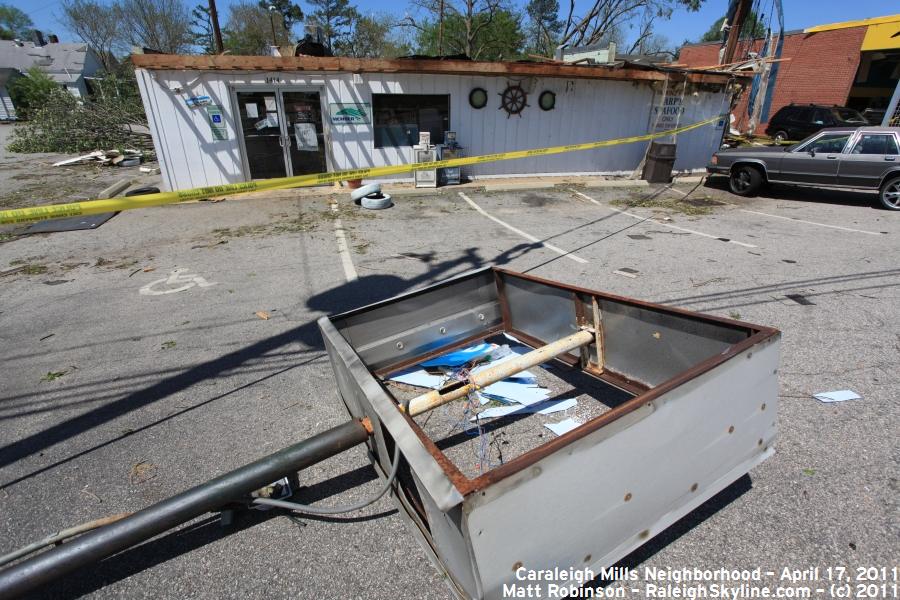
703 412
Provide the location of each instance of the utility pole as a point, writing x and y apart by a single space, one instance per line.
272 10
734 29
441 31
217 33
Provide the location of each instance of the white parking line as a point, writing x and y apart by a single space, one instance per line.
343 250
753 212
527 236
663 223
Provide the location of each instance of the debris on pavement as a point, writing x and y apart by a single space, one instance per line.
142 472
262 315
627 272
127 157
837 396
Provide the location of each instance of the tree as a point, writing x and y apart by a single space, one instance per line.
544 26
336 18
14 24
162 25
31 92
606 16
497 36
114 119
753 28
202 29
248 30
464 26
97 25
290 14
373 37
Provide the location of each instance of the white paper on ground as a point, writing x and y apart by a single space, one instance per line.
418 377
516 392
837 396
563 426
521 376
544 408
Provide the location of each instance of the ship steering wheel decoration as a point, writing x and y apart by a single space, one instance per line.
513 100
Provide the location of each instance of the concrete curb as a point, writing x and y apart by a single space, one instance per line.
115 189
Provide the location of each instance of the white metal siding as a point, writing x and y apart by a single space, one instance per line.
586 110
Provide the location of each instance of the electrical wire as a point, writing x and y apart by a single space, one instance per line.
59 536
338 510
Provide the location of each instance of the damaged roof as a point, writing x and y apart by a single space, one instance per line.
630 72
64 63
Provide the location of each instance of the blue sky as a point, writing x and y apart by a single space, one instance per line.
683 25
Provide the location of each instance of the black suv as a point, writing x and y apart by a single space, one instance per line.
795 122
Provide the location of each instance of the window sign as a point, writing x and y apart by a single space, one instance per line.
350 114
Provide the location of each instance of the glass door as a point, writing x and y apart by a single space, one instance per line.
305 132
261 127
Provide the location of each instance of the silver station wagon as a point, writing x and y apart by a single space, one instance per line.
859 159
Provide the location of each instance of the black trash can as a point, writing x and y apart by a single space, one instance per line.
660 160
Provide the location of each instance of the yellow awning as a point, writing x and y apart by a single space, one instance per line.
859 23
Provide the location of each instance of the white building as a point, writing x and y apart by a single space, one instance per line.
227 119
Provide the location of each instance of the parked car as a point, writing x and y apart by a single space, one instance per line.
795 122
874 115
862 158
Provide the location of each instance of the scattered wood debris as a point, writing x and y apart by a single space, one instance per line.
128 157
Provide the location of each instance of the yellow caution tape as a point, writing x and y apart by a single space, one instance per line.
93 207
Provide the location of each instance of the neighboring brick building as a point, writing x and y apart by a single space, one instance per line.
854 64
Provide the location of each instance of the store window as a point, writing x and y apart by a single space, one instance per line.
398 118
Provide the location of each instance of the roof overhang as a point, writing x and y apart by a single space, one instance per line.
174 62
848 24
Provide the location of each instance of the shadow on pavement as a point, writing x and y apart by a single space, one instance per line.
776 191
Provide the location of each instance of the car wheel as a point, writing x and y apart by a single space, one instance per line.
745 180
890 194
781 136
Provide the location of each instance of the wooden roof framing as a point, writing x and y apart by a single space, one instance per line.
174 62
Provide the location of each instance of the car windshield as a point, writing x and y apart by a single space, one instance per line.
848 115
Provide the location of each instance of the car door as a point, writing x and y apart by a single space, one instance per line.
870 157
816 161
801 123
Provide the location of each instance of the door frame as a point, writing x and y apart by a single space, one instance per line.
279 105
326 122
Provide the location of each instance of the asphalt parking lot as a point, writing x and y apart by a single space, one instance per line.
119 392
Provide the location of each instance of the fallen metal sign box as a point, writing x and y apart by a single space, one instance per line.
700 412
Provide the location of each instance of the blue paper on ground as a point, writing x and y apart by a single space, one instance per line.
457 358
544 408
563 426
